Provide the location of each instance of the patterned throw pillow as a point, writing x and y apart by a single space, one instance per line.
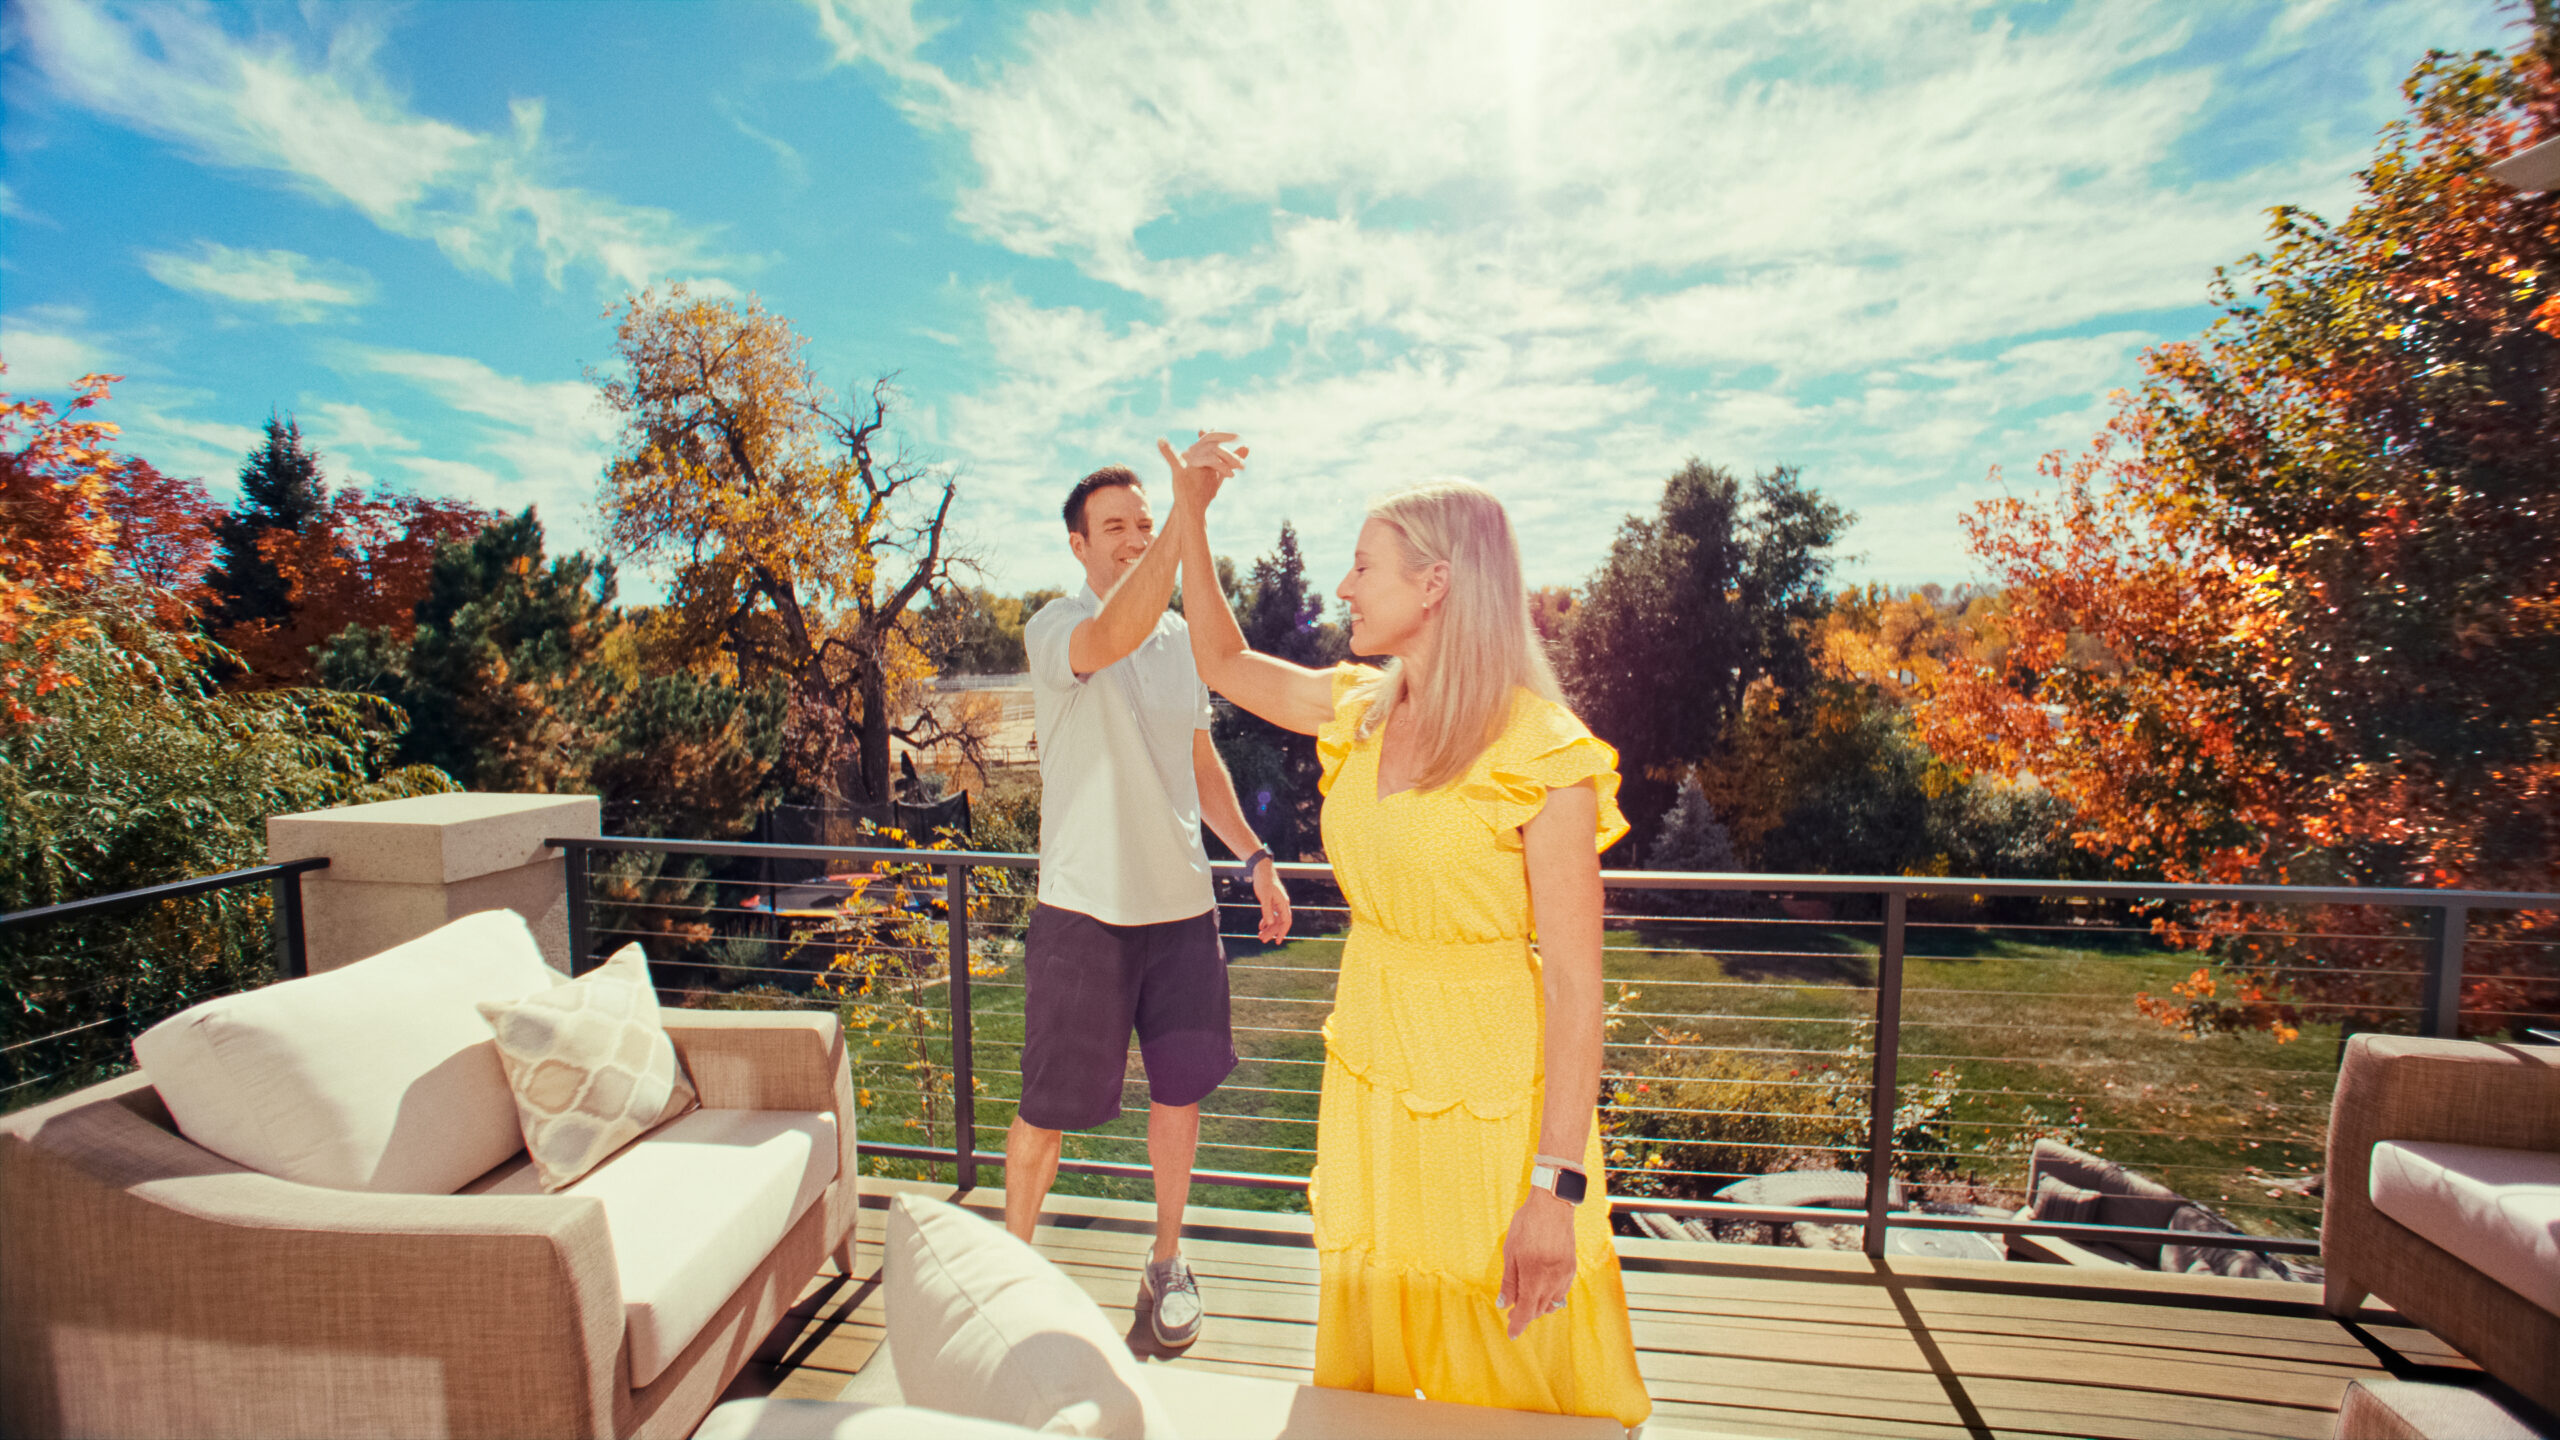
591 1066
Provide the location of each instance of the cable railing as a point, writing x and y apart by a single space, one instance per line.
93 1043
1741 1043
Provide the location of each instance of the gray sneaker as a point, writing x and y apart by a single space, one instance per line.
1173 1302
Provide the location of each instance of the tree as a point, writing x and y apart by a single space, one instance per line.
2295 614
140 771
1713 593
78 519
1693 840
800 546
975 632
509 684
281 490
359 560
1276 770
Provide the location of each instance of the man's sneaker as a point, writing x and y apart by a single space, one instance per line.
1173 1302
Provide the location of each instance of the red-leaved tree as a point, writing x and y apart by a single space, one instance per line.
2295 615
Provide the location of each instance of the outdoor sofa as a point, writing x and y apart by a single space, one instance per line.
2444 1198
151 1286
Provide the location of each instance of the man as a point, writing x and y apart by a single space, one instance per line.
1126 931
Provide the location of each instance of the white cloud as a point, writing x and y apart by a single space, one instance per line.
45 351
1560 248
535 442
295 287
335 128
343 427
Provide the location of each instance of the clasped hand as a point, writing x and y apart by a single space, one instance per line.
1200 470
1537 1259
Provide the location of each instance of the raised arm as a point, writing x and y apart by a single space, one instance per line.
1290 696
1565 897
1129 613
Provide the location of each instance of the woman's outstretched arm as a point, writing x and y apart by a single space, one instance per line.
1565 896
1292 697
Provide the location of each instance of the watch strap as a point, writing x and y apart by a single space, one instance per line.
1563 1182
1260 854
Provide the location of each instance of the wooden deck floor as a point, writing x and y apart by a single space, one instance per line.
1752 1340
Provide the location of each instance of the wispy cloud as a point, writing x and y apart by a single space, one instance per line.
542 443
342 426
785 154
46 348
1559 247
294 287
334 127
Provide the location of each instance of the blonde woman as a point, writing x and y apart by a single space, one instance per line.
1460 1215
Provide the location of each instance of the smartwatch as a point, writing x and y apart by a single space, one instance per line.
1259 855
1566 1184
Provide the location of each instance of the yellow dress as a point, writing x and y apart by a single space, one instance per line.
1434 1063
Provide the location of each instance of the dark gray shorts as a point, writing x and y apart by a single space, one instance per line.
1088 984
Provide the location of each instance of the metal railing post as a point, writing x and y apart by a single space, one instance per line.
2440 1002
964 1099
293 960
1883 1097
573 863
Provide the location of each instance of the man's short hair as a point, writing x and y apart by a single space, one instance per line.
1102 479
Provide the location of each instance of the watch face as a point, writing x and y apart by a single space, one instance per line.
1571 1186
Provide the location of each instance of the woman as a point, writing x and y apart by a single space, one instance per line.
1465 809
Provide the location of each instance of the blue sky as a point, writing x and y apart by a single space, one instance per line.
1554 247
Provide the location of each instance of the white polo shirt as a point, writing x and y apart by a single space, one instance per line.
1119 804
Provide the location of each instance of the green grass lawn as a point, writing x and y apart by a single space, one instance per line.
2034 1033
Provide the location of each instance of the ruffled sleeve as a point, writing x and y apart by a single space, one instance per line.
1335 737
1545 748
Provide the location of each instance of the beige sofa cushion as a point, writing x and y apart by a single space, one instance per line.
693 1208
591 1066
983 1325
2496 1210
380 1076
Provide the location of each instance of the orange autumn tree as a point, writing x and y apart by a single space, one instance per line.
2295 615
805 545
81 523
363 559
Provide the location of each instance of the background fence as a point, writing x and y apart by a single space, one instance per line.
1907 1039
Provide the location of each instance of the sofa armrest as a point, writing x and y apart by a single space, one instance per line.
151 1287
2465 1092
761 1059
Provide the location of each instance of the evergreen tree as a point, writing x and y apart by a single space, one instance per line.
1275 770
1692 839
511 683
1716 591
281 489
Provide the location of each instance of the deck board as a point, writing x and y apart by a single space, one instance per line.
1743 1340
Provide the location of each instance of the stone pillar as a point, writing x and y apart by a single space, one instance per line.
400 868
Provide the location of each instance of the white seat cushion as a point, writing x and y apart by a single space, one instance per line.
2498 1210
378 1076
694 1207
984 1325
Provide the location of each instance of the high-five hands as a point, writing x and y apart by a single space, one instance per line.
1200 470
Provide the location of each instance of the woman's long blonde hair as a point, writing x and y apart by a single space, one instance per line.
1486 651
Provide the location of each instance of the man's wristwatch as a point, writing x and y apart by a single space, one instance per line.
1562 1181
1261 854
